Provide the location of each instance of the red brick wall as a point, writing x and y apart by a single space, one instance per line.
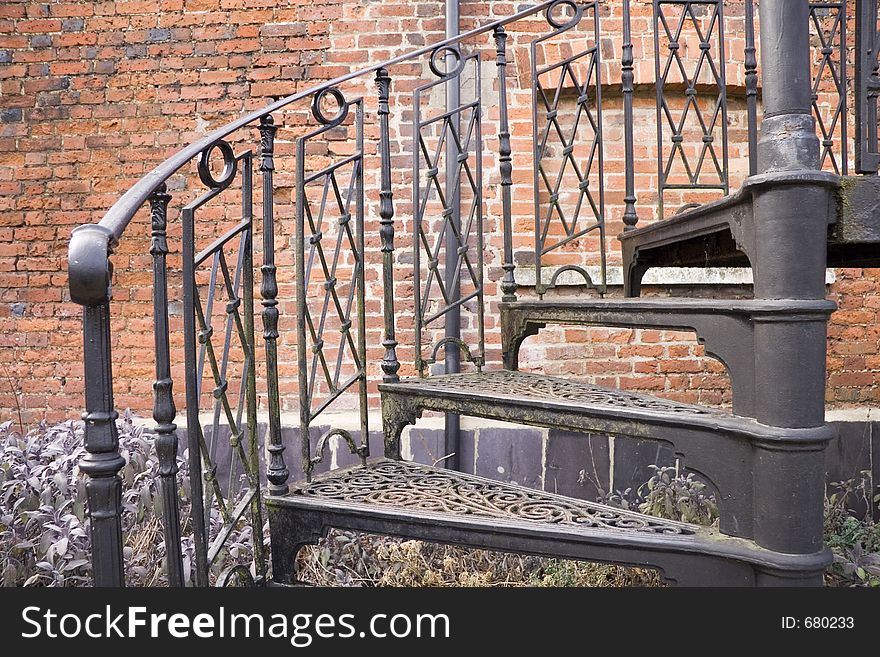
94 94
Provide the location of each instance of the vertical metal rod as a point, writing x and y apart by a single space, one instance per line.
751 66
537 155
359 277
390 364
193 427
722 83
276 470
630 218
452 321
164 411
480 360
505 166
658 86
842 52
600 138
253 455
302 284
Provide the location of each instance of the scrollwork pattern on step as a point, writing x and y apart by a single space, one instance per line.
416 487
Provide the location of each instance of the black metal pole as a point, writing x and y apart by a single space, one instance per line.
164 410
276 470
630 217
791 223
452 427
751 68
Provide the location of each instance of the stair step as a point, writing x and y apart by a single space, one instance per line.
724 326
721 233
540 400
418 501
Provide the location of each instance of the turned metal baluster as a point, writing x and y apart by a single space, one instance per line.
751 64
390 364
164 411
276 471
508 281
630 218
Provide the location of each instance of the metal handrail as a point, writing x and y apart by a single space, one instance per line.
120 214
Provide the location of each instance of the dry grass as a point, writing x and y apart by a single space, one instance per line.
351 559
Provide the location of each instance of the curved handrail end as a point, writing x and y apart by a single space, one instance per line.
88 264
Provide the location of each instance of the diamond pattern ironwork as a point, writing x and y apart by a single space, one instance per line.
828 26
705 121
458 134
334 205
223 359
569 197
550 106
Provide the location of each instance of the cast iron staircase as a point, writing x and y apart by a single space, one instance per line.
765 459
730 450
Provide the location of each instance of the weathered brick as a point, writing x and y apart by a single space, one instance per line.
95 94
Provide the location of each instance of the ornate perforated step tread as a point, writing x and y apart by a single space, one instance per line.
418 501
415 487
536 388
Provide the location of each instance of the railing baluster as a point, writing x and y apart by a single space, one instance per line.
390 364
90 273
164 411
751 66
277 472
508 281
630 218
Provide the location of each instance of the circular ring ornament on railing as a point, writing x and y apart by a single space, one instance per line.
341 106
237 575
446 51
230 165
559 24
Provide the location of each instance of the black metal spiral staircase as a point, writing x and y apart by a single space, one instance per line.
766 459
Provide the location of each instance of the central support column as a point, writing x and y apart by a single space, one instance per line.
791 223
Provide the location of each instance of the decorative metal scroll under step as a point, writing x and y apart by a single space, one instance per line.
417 501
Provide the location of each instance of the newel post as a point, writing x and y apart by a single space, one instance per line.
90 271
